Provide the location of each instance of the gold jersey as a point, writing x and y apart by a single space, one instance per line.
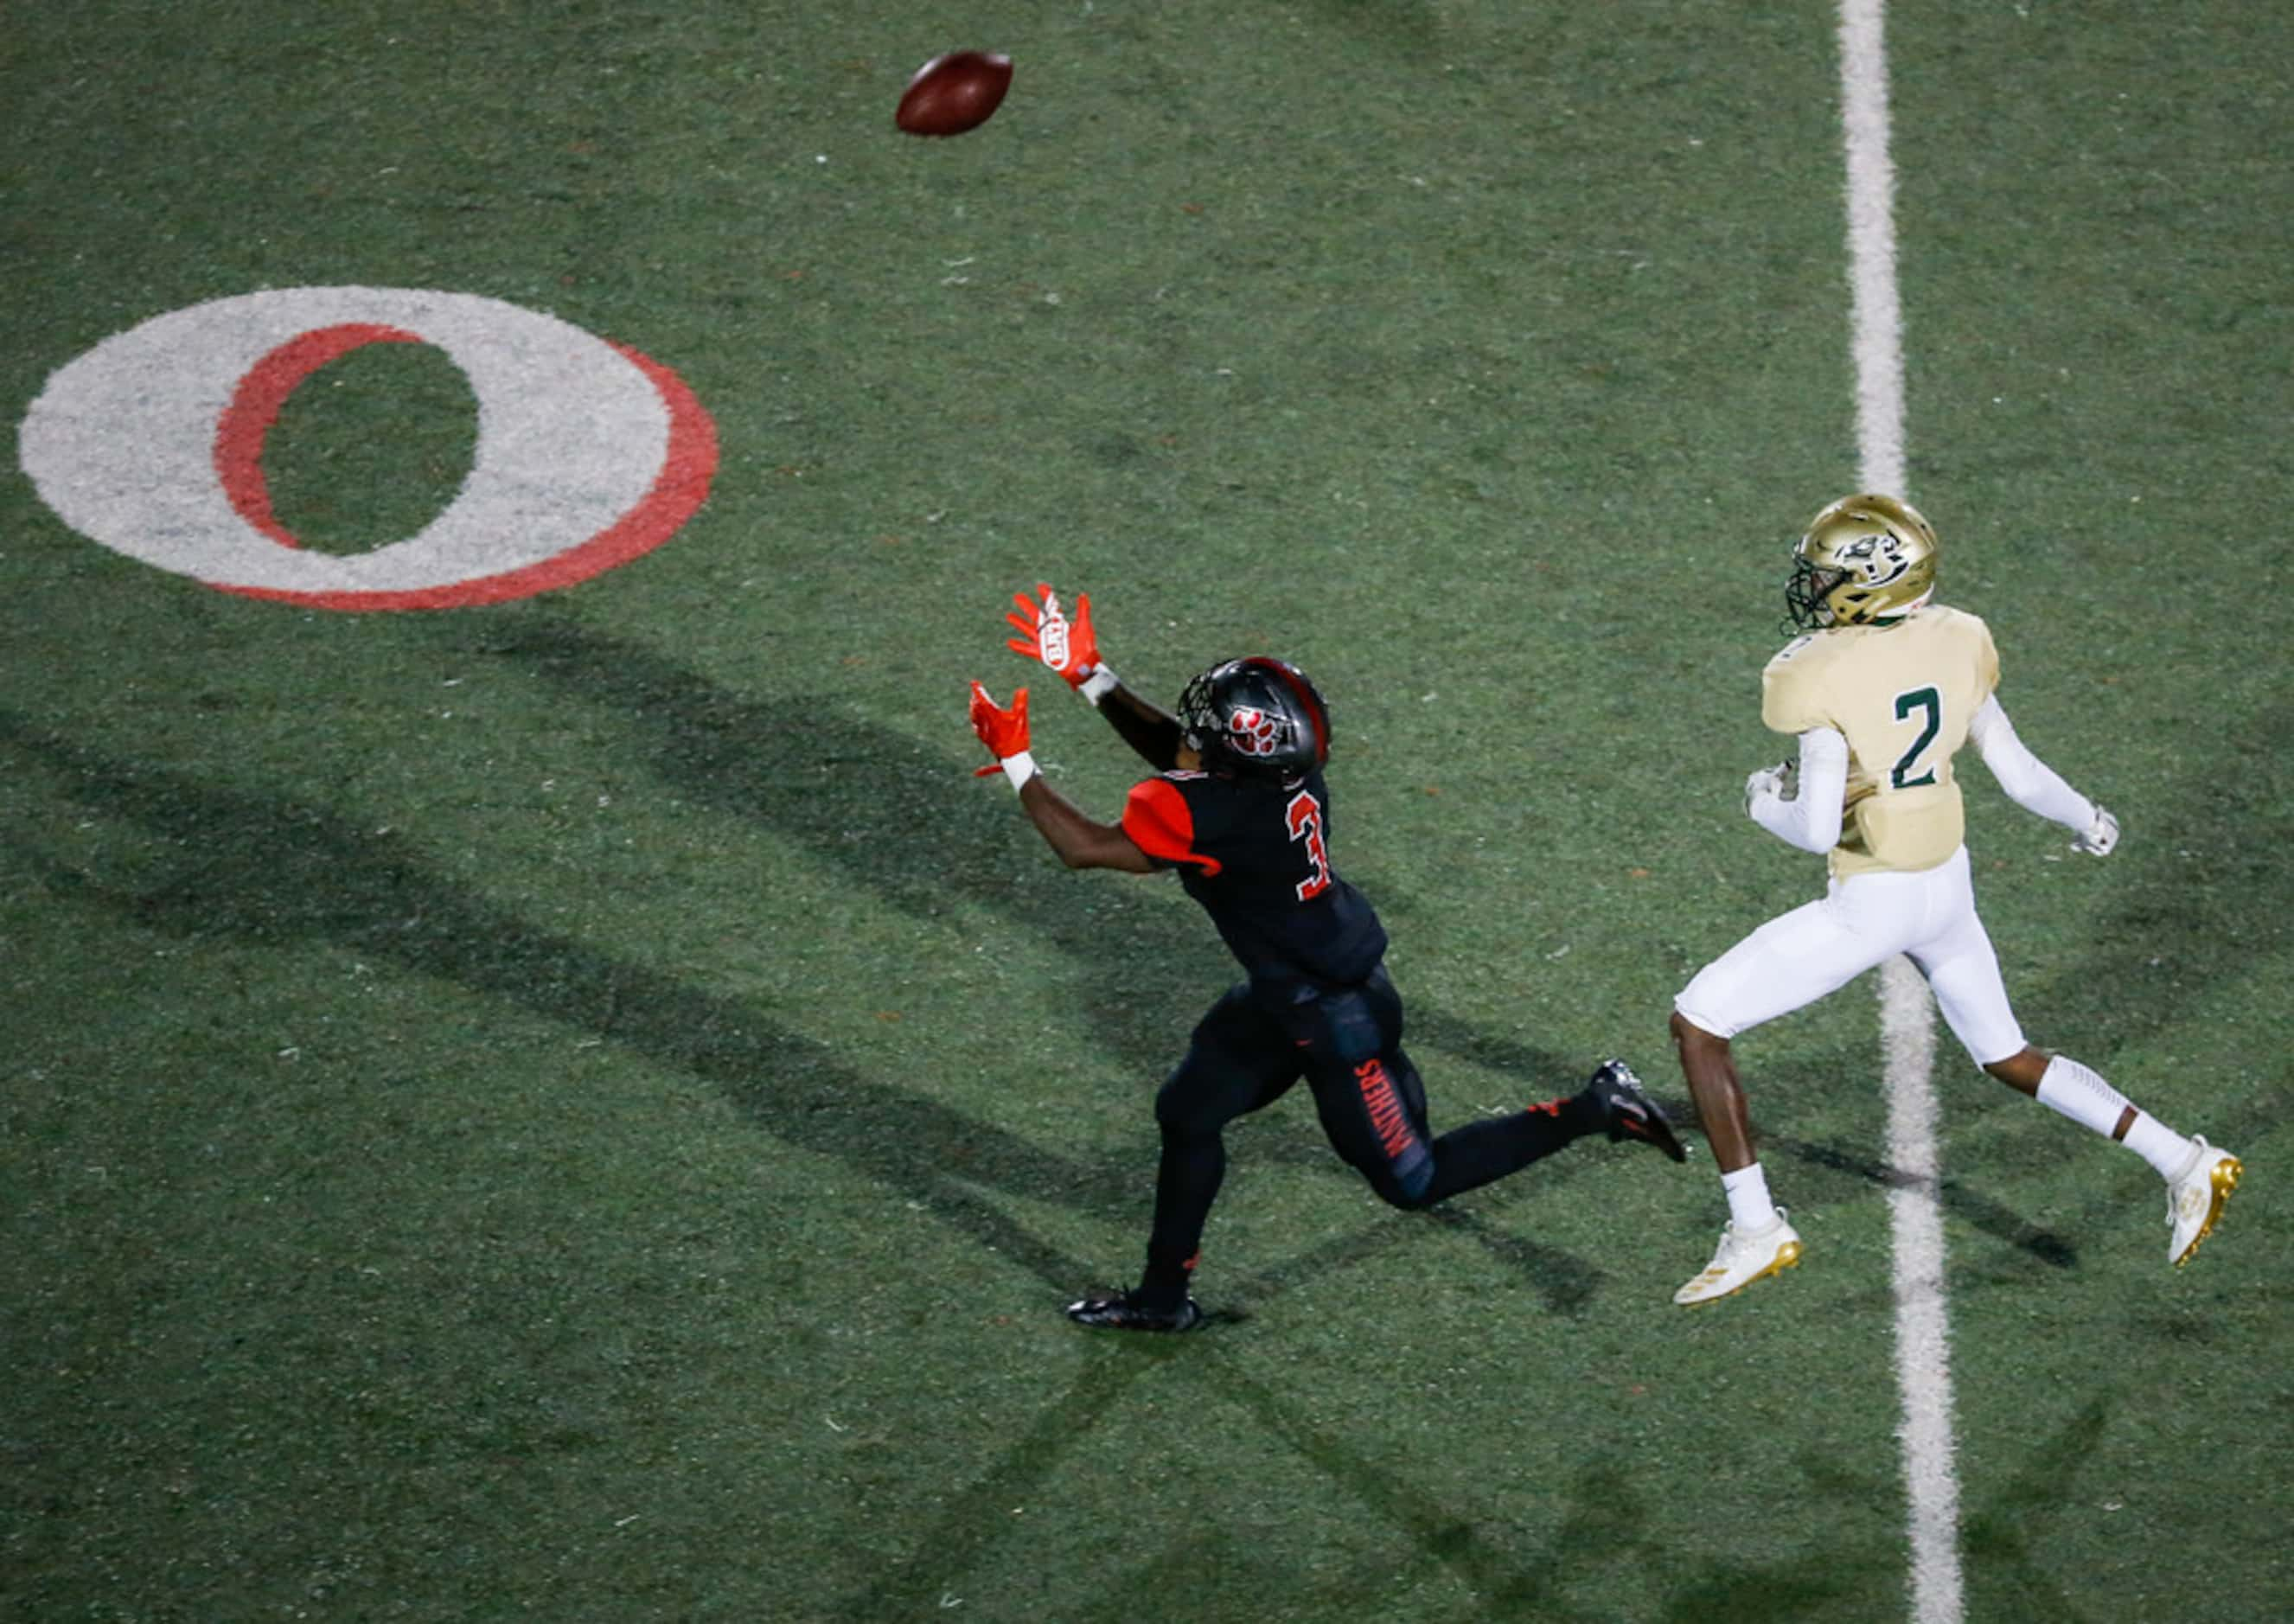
1903 696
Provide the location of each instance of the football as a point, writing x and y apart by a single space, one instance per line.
953 93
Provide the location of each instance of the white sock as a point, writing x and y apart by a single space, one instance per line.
1749 1206
2071 1090
2157 1144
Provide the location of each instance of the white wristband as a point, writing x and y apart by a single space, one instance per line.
1099 684
1018 767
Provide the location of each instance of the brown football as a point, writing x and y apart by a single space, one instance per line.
953 93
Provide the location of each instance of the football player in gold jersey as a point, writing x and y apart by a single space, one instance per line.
1881 691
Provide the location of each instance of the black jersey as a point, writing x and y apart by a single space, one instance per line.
1257 857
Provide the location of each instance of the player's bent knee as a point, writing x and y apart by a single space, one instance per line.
1687 1031
2022 1070
1182 1113
1404 1197
1695 1011
1407 1187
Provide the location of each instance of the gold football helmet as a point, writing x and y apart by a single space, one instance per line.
1864 559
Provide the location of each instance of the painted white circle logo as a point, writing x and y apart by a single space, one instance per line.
588 454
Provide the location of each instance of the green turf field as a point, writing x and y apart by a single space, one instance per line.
582 1107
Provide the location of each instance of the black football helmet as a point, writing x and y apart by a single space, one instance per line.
1258 717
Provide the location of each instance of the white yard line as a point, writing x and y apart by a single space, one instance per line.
1906 1021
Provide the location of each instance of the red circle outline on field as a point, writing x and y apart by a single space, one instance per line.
677 495
263 393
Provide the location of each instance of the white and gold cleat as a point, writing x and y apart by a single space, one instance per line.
1743 1258
2196 1196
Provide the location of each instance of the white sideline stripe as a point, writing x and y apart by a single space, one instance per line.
1906 1021
1923 1327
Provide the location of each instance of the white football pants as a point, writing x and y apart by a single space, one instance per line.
1797 958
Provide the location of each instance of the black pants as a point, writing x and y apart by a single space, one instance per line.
1346 1043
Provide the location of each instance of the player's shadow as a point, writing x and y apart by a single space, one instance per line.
269 872
912 827
915 827
2004 1535
978 1515
1855 1165
1838 1577
893 818
1424 1531
1605 1527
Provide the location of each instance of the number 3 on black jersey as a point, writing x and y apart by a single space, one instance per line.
1304 816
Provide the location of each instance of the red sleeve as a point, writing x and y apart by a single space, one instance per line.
1156 817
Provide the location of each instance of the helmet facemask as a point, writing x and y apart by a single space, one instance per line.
1805 593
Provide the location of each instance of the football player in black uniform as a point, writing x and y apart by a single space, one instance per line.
1240 808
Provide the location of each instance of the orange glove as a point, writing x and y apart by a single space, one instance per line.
1069 647
1004 733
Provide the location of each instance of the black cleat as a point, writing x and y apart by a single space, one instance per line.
1120 1313
1632 1114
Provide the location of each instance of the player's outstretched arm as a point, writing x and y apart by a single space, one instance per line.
1147 727
1069 648
2035 787
1080 842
